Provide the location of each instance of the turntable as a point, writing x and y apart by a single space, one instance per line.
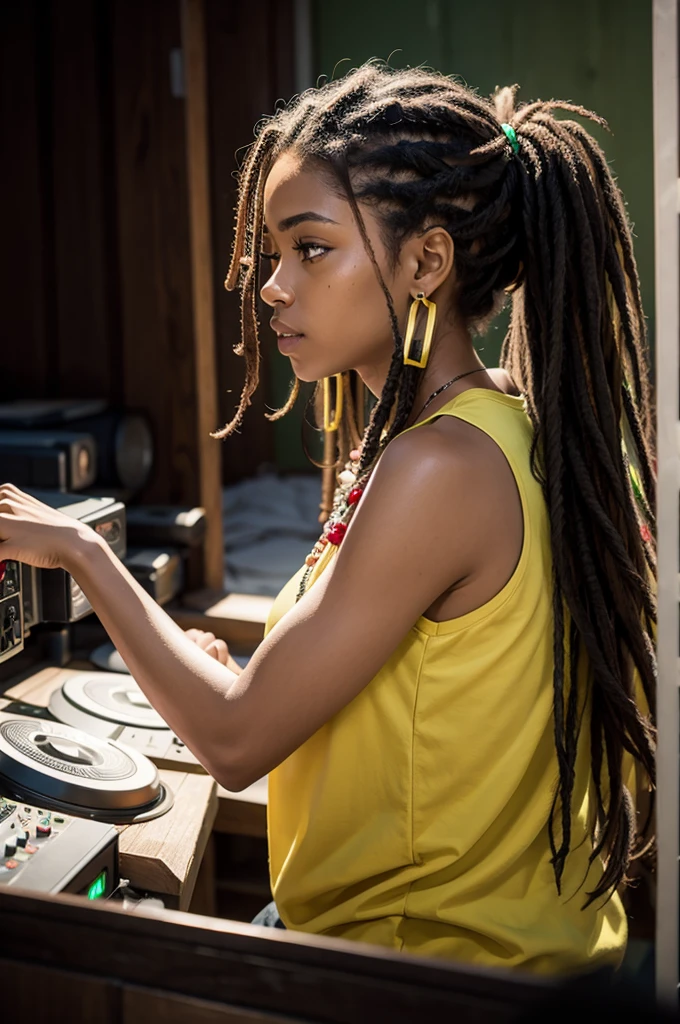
100 702
52 765
109 705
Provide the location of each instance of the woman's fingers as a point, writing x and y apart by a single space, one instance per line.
209 643
193 634
219 651
35 533
200 637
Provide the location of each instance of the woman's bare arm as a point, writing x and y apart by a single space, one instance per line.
431 514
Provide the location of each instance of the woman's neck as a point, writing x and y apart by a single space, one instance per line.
452 352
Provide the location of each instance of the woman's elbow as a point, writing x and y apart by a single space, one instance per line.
234 774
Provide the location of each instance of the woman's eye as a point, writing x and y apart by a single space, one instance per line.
310 250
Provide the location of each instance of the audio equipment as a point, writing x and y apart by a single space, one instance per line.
160 572
111 705
79 467
48 412
43 851
108 659
30 589
123 441
11 610
100 702
34 467
60 598
166 524
125 449
51 765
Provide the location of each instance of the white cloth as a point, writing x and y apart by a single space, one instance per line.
270 525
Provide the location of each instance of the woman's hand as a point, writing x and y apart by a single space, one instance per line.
37 534
209 643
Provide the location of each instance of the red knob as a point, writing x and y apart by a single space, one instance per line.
3 570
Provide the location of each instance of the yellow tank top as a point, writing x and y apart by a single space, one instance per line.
416 818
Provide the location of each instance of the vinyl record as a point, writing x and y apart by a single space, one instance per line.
93 702
50 764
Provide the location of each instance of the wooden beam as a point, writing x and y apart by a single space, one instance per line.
157 349
313 977
196 113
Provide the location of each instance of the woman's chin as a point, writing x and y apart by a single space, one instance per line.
306 374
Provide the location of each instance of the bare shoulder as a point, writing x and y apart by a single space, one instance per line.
446 489
448 456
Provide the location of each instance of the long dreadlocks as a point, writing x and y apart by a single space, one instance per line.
548 222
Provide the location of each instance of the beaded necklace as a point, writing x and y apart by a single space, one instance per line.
347 495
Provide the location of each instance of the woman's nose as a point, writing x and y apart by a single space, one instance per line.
275 291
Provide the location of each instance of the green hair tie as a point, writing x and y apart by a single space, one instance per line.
512 137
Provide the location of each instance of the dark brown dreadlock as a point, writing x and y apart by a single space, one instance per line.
421 149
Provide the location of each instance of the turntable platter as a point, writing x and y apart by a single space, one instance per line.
93 702
54 765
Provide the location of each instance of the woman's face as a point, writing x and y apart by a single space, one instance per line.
323 287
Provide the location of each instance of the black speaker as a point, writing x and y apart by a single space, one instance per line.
123 440
125 448
27 453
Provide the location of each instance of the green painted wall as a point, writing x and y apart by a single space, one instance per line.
594 52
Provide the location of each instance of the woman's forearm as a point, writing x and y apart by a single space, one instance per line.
186 686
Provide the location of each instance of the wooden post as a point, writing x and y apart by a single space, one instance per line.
195 81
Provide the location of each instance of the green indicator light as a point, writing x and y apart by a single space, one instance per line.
98 887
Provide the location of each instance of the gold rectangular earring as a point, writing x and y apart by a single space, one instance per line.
410 339
333 424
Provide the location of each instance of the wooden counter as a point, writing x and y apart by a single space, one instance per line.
243 813
164 855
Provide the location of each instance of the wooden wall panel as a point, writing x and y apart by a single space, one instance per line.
250 65
194 50
84 197
25 254
153 241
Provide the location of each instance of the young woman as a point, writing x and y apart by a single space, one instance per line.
452 690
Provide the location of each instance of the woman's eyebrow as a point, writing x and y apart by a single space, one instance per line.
298 218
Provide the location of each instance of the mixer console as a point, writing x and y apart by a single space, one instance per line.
50 852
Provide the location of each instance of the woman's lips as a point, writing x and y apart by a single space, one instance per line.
287 343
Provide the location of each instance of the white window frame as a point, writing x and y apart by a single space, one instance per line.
666 196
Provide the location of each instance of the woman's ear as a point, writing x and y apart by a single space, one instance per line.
431 258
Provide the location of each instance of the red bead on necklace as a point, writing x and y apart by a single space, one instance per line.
336 533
